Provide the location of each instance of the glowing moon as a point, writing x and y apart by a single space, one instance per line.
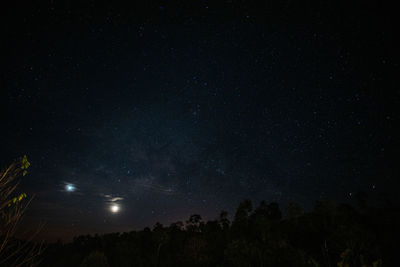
114 208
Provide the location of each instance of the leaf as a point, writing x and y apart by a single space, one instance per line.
377 263
25 163
17 199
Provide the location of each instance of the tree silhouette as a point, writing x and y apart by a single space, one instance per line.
241 221
224 221
330 235
95 259
195 223
294 210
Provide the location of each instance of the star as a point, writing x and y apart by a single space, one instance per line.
70 187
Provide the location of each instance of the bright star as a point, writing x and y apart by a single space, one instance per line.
70 187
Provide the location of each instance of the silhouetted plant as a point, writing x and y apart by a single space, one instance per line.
15 252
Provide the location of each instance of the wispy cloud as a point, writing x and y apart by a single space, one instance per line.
110 198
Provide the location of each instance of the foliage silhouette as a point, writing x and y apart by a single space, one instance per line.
13 251
95 259
330 235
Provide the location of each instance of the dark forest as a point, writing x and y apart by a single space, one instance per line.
330 235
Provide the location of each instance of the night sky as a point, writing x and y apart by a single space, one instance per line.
164 111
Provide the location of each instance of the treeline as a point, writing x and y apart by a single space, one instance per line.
330 235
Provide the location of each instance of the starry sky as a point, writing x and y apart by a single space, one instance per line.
165 111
